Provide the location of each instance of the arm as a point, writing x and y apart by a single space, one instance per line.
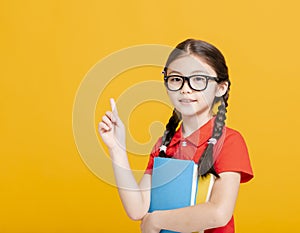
214 213
135 197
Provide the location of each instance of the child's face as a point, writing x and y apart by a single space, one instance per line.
187 101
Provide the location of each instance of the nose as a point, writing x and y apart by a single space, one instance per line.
186 88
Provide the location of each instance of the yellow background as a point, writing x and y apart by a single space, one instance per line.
47 47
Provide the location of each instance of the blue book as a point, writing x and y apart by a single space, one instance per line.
174 184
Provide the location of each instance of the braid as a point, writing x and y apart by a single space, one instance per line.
206 162
215 59
170 131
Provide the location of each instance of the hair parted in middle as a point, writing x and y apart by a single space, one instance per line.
214 58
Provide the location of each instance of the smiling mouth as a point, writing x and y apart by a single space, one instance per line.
187 101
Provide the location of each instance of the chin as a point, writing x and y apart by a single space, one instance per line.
188 113
191 112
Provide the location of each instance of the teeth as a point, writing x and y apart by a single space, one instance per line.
186 101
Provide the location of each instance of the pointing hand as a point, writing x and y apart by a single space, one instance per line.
111 128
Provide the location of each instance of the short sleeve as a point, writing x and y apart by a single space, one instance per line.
154 153
234 156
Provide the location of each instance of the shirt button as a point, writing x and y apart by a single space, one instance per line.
184 143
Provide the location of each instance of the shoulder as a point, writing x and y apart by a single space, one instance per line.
233 139
154 153
231 154
155 149
230 132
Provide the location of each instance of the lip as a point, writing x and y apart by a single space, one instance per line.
187 101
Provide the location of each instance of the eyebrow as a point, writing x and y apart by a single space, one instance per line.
195 71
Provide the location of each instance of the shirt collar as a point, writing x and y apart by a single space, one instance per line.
198 137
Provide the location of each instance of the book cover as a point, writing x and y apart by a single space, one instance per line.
175 184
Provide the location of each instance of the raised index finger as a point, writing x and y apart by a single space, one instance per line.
113 107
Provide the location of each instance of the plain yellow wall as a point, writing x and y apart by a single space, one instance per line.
47 47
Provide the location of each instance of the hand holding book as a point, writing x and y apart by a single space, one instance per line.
175 184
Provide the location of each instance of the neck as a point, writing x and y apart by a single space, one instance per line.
191 123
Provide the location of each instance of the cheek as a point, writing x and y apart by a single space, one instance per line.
172 96
204 99
207 96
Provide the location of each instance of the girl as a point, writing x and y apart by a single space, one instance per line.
196 80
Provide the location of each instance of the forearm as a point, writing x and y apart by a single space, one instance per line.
215 213
131 194
193 218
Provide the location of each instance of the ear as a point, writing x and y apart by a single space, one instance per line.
221 89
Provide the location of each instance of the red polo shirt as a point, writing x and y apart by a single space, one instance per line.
230 154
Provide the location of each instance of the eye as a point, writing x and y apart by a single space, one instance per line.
199 79
175 79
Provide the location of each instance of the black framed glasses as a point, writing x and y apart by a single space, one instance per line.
197 82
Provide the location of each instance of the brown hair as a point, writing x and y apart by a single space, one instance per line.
214 58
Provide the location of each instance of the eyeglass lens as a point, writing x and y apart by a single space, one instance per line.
195 82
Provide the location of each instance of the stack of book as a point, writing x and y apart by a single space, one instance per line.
175 184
